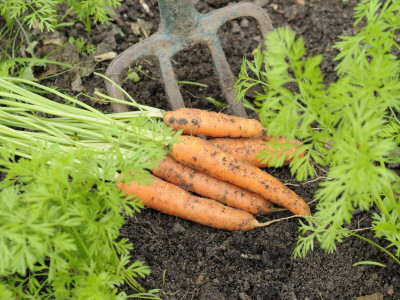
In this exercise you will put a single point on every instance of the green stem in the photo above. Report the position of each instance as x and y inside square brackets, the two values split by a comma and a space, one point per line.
[148, 109]
[144, 73]
[35, 99]
[20, 144]
[13, 132]
[27, 121]
[126, 116]
[79, 238]
[36, 60]
[39, 103]
[131, 281]
[40, 288]
[376, 245]
[379, 203]
[388, 192]
[193, 83]
[48, 110]
[118, 87]
[17, 153]
[66, 14]
[24, 32]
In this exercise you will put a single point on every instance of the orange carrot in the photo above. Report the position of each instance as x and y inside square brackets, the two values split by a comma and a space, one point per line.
[205, 157]
[210, 187]
[201, 122]
[171, 199]
[248, 149]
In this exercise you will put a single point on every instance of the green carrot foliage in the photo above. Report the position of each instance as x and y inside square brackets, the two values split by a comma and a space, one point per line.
[61, 211]
[60, 222]
[349, 126]
[42, 14]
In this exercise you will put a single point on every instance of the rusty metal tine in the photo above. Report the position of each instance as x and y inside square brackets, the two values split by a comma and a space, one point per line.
[122, 62]
[178, 17]
[241, 10]
[225, 76]
[181, 27]
[171, 87]
[221, 66]
[156, 46]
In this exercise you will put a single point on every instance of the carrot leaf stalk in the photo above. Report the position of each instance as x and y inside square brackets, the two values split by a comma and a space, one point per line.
[349, 125]
[28, 119]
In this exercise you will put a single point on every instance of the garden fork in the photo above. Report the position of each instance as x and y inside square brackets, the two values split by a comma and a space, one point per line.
[181, 27]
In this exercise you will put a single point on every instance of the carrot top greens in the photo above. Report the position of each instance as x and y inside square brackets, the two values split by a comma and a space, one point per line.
[61, 210]
[42, 14]
[349, 126]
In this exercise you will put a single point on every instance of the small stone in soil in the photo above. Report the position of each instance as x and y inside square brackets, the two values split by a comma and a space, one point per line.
[235, 27]
[244, 23]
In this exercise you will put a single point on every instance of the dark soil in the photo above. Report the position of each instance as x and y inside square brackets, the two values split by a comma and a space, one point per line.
[191, 261]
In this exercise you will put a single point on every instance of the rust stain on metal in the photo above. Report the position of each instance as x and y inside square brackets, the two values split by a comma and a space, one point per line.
[181, 27]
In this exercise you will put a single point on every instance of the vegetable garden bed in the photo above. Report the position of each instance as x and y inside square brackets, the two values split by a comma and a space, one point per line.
[192, 261]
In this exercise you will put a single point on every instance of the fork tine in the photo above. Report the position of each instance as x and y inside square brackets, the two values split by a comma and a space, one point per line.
[239, 10]
[171, 87]
[180, 28]
[225, 76]
[122, 62]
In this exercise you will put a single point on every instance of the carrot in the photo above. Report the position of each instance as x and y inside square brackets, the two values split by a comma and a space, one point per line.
[210, 187]
[205, 157]
[249, 148]
[211, 124]
[171, 199]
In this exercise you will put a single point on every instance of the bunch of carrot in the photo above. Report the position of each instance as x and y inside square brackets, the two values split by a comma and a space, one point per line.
[224, 170]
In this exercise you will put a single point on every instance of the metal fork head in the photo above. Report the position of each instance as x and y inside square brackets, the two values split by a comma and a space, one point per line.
[181, 27]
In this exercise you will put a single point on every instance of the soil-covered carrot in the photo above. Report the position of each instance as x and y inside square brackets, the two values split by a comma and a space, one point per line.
[205, 157]
[249, 148]
[211, 124]
[171, 199]
[210, 187]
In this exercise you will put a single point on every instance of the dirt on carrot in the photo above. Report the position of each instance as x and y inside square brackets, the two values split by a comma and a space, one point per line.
[171, 199]
[249, 149]
[205, 157]
[211, 124]
[210, 187]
